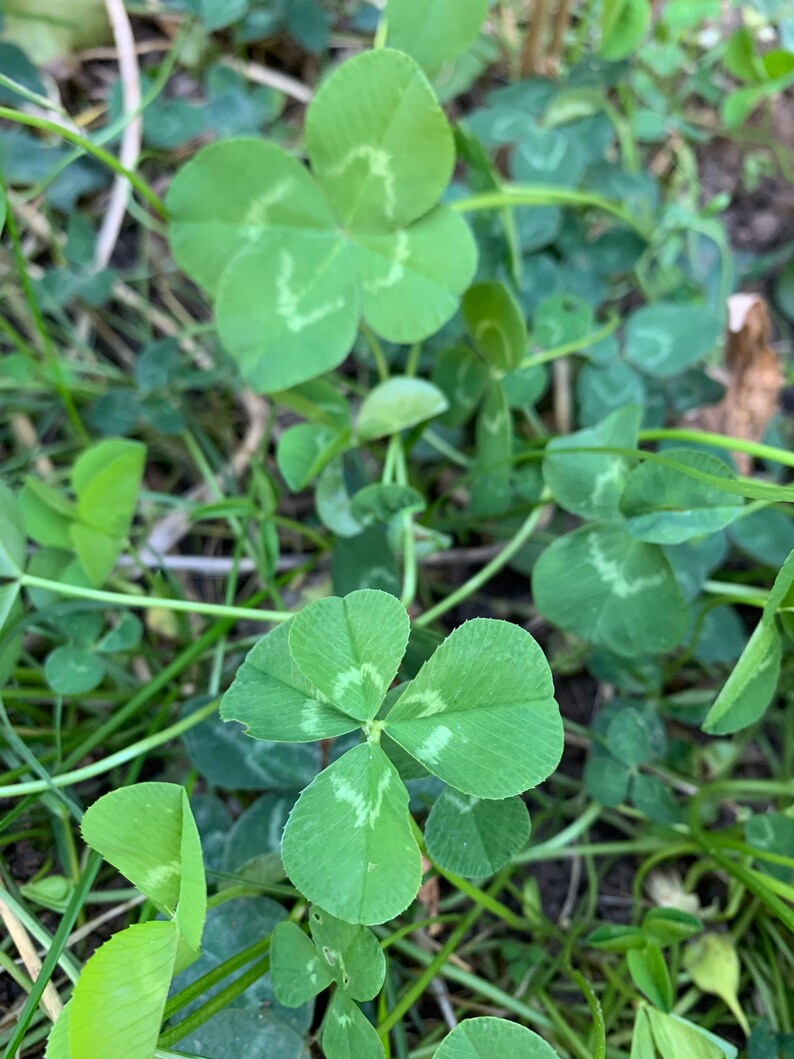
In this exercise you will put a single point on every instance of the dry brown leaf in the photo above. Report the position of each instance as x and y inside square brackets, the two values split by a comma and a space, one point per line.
[429, 896]
[752, 377]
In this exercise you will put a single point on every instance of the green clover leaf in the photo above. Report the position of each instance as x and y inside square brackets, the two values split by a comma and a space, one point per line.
[295, 259]
[480, 715]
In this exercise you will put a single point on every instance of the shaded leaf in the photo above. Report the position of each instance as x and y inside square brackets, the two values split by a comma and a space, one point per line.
[474, 838]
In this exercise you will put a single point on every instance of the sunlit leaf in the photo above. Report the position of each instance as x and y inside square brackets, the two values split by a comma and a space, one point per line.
[434, 32]
[348, 844]
[148, 833]
[121, 993]
[397, 404]
[350, 648]
[275, 701]
[481, 713]
[475, 1038]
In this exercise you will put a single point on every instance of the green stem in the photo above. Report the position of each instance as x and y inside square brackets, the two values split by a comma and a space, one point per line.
[414, 992]
[486, 573]
[720, 441]
[477, 985]
[121, 757]
[215, 1004]
[35, 122]
[121, 599]
[611, 325]
[532, 195]
[217, 974]
[563, 838]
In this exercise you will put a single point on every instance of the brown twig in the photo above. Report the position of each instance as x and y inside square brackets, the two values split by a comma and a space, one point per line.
[50, 1001]
[531, 58]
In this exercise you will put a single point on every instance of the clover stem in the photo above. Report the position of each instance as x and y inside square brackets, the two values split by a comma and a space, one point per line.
[408, 540]
[376, 349]
[476, 582]
[122, 599]
[539, 195]
[121, 757]
[35, 122]
[720, 441]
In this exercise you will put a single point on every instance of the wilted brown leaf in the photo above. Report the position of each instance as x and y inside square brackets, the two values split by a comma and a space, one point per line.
[752, 377]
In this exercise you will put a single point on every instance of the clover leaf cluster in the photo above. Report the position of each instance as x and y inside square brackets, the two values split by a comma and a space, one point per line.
[294, 259]
[480, 715]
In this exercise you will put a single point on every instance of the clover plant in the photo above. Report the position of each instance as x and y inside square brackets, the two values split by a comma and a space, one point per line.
[480, 715]
[295, 259]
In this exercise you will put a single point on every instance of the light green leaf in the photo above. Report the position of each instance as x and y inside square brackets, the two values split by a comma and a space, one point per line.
[377, 503]
[230, 196]
[398, 404]
[491, 487]
[665, 506]
[412, 278]
[305, 449]
[73, 670]
[475, 838]
[590, 484]
[275, 702]
[751, 686]
[48, 514]
[58, 1040]
[296, 969]
[476, 1038]
[13, 537]
[106, 479]
[351, 954]
[148, 833]
[347, 1033]
[623, 26]
[674, 1037]
[642, 1038]
[385, 161]
[288, 306]
[665, 338]
[481, 713]
[781, 589]
[348, 844]
[434, 32]
[714, 967]
[649, 973]
[624, 596]
[9, 593]
[121, 993]
[496, 324]
[350, 648]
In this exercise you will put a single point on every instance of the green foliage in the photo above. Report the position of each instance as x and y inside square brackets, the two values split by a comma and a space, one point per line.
[360, 236]
[473, 1036]
[436, 33]
[147, 832]
[105, 479]
[461, 718]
